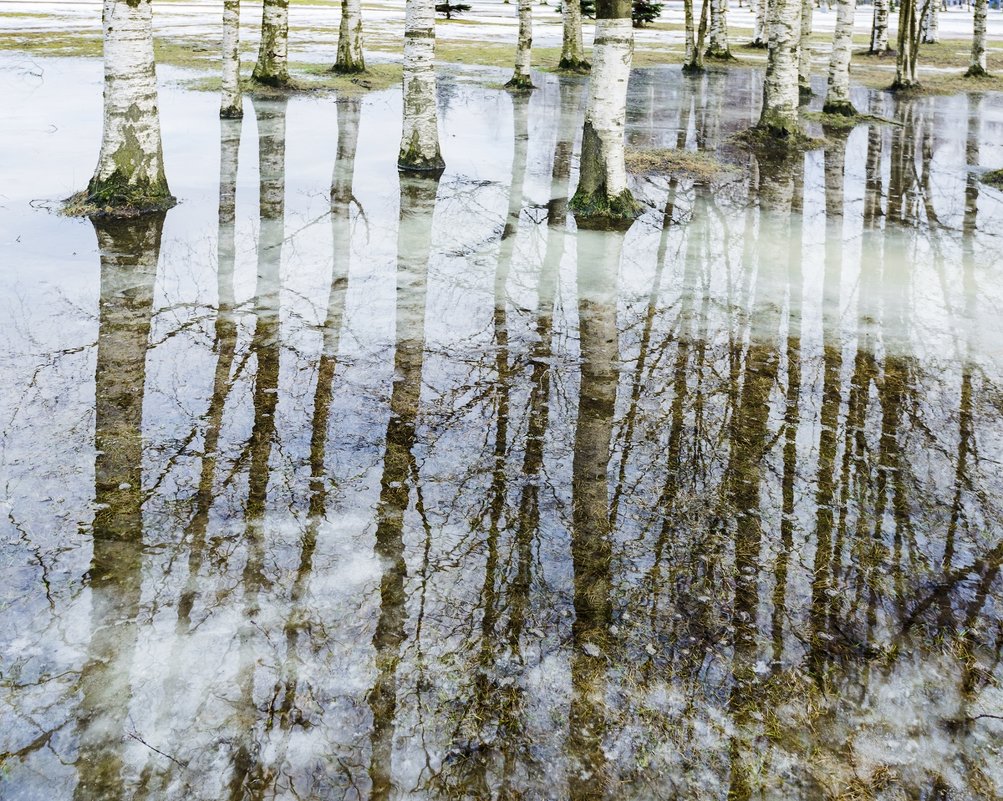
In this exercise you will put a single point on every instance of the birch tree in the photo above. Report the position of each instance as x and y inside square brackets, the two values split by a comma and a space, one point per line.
[272, 68]
[837, 98]
[602, 196]
[572, 46]
[779, 117]
[350, 58]
[717, 44]
[231, 105]
[521, 79]
[908, 45]
[419, 150]
[979, 66]
[931, 22]
[879, 28]
[804, 55]
[130, 169]
[759, 32]
[693, 58]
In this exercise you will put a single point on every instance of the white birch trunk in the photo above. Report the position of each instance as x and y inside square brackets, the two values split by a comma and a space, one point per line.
[602, 193]
[905, 64]
[521, 79]
[231, 104]
[759, 23]
[879, 28]
[837, 98]
[979, 66]
[693, 61]
[273, 59]
[931, 22]
[572, 45]
[804, 53]
[779, 117]
[350, 58]
[130, 168]
[419, 148]
[717, 44]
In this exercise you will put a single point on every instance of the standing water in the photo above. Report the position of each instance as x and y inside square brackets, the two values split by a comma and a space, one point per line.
[329, 484]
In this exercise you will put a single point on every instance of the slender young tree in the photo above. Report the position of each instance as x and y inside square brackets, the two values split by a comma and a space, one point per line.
[130, 170]
[572, 46]
[879, 28]
[779, 117]
[602, 196]
[759, 32]
[908, 46]
[804, 54]
[931, 22]
[521, 79]
[419, 150]
[693, 57]
[231, 104]
[717, 45]
[350, 58]
[272, 68]
[979, 67]
[837, 98]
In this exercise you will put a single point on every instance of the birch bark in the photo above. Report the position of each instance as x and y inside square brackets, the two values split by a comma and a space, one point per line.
[231, 105]
[931, 22]
[717, 45]
[804, 54]
[273, 62]
[572, 46]
[693, 61]
[905, 65]
[879, 28]
[350, 58]
[419, 150]
[130, 169]
[979, 66]
[779, 117]
[837, 98]
[759, 33]
[521, 79]
[602, 197]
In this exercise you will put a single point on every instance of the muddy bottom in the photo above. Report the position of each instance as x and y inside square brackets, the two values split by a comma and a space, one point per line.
[330, 484]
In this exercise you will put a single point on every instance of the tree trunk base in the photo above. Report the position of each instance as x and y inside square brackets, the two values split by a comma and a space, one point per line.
[692, 68]
[904, 86]
[977, 71]
[520, 83]
[758, 44]
[843, 108]
[349, 67]
[578, 65]
[116, 197]
[719, 54]
[278, 80]
[598, 211]
[805, 93]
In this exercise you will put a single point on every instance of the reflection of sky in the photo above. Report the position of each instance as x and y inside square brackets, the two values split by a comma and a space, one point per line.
[904, 290]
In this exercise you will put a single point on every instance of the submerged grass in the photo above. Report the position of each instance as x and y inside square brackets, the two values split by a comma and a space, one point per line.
[697, 165]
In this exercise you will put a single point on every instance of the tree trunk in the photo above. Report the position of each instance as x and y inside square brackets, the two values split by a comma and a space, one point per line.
[979, 67]
[759, 32]
[879, 28]
[602, 196]
[837, 98]
[273, 63]
[804, 55]
[350, 58]
[572, 46]
[419, 149]
[693, 61]
[931, 22]
[130, 170]
[779, 117]
[231, 106]
[717, 47]
[524, 48]
[905, 64]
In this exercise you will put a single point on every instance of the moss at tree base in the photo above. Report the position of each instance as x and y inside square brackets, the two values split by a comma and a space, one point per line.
[776, 139]
[842, 108]
[598, 211]
[994, 179]
[976, 71]
[580, 66]
[349, 68]
[117, 197]
[276, 80]
[522, 83]
[693, 68]
[719, 54]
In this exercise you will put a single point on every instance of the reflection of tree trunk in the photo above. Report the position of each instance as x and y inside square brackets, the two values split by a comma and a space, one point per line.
[591, 545]
[129, 253]
[832, 400]
[248, 774]
[749, 443]
[399, 468]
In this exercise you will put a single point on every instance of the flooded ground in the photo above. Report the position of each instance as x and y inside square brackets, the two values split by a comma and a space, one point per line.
[332, 485]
